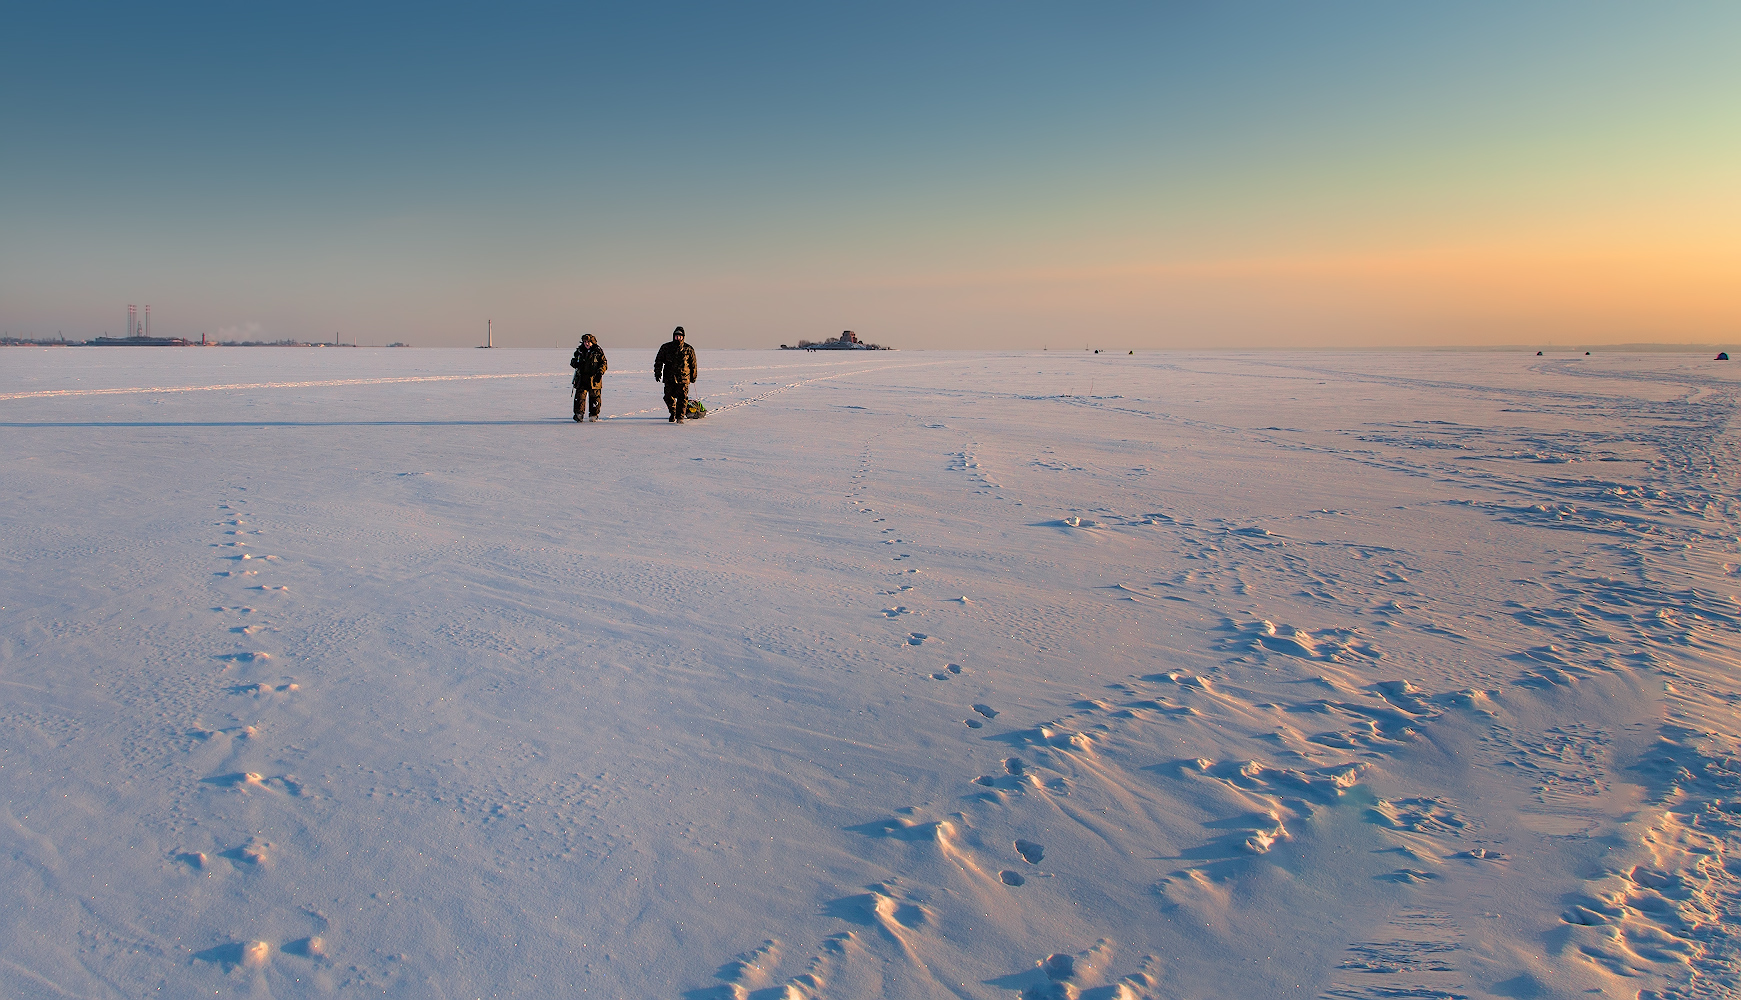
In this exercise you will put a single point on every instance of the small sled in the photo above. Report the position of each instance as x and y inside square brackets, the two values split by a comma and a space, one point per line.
[695, 410]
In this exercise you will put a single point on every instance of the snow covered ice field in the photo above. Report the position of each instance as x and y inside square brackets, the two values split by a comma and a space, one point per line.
[910, 674]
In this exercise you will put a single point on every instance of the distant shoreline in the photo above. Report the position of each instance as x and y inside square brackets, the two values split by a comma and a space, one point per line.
[162, 342]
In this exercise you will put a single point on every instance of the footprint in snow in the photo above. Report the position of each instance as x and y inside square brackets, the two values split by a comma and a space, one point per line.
[263, 690]
[916, 638]
[244, 954]
[239, 732]
[1062, 975]
[1008, 877]
[254, 852]
[896, 612]
[1031, 852]
[308, 947]
[985, 710]
[1419, 815]
[947, 672]
[238, 780]
[750, 969]
[1407, 876]
[1481, 854]
[250, 781]
[884, 905]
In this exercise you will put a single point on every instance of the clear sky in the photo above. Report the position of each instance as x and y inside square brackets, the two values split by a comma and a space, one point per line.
[985, 174]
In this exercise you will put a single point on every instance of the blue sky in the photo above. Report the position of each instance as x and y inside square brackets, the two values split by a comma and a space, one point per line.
[966, 175]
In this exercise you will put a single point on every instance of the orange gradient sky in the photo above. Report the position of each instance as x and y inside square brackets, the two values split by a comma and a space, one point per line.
[982, 175]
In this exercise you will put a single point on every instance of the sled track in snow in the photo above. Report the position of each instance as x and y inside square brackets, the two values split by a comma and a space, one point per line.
[820, 378]
[323, 383]
[392, 380]
[721, 408]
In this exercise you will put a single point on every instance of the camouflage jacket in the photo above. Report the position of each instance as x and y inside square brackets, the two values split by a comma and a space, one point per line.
[589, 364]
[675, 363]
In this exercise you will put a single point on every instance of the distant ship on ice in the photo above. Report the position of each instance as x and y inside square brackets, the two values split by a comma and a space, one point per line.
[139, 334]
[847, 341]
[142, 341]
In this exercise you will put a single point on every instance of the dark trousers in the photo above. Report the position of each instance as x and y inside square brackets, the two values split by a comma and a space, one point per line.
[677, 398]
[587, 398]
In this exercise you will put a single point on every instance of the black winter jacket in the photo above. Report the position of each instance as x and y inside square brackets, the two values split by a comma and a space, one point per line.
[675, 363]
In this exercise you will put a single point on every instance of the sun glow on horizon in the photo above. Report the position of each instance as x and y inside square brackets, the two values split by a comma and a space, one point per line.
[1008, 176]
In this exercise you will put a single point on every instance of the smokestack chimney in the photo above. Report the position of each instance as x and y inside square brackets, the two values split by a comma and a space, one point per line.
[132, 320]
[148, 321]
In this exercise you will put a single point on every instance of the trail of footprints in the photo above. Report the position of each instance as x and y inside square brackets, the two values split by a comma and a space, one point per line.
[1356, 723]
[252, 696]
[1670, 918]
[886, 913]
[1677, 911]
[1675, 917]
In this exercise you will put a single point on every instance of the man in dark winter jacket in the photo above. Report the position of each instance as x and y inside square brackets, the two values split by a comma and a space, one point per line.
[675, 364]
[589, 366]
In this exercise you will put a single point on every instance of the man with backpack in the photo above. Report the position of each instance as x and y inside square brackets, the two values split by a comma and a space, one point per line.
[675, 364]
[589, 366]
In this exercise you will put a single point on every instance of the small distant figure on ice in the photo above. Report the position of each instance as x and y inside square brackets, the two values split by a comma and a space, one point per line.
[589, 366]
[675, 365]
